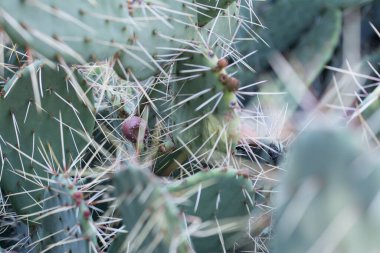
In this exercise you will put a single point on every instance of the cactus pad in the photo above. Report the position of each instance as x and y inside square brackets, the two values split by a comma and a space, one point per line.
[222, 200]
[151, 218]
[329, 196]
[66, 220]
[205, 107]
[37, 140]
[136, 33]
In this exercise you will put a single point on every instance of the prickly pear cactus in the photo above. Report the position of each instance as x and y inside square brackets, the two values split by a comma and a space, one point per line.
[205, 105]
[153, 222]
[209, 197]
[40, 137]
[171, 53]
[138, 34]
[66, 219]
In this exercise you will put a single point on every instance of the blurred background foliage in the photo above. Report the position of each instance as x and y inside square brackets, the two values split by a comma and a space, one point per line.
[302, 54]
[312, 72]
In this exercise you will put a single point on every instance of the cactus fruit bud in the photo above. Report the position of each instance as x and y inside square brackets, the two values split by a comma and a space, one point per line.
[131, 126]
[243, 173]
[232, 84]
[223, 78]
[222, 63]
[86, 214]
[77, 196]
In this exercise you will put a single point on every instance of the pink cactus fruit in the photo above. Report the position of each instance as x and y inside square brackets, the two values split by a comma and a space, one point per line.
[130, 128]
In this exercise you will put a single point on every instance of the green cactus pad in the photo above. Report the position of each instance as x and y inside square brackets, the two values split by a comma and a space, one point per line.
[31, 136]
[222, 200]
[150, 216]
[221, 32]
[68, 29]
[284, 21]
[66, 220]
[329, 195]
[197, 110]
[322, 38]
[137, 33]
[205, 105]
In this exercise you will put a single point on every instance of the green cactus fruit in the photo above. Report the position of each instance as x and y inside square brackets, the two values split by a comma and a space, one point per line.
[66, 223]
[37, 140]
[205, 106]
[150, 216]
[329, 195]
[222, 200]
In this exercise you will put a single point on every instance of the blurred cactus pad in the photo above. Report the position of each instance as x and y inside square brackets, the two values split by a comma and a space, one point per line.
[189, 126]
[330, 202]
